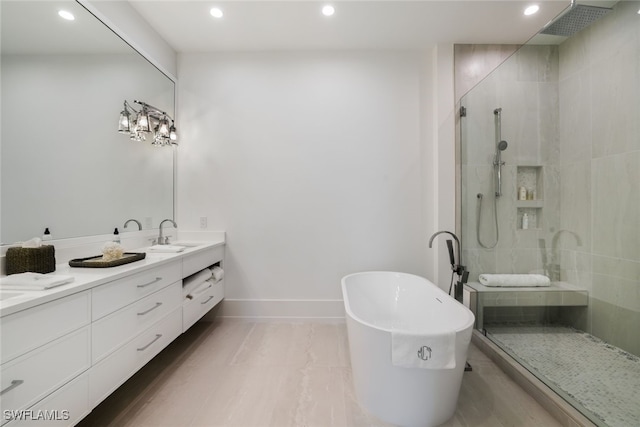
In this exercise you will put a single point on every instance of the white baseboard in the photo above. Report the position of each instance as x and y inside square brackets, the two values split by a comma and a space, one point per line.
[281, 309]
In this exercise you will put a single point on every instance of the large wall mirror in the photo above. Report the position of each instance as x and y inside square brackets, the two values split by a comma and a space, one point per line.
[64, 166]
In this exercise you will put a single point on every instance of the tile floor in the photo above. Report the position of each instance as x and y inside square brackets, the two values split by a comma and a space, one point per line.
[604, 380]
[237, 373]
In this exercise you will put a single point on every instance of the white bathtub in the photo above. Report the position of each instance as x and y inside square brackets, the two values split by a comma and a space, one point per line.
[379, 303]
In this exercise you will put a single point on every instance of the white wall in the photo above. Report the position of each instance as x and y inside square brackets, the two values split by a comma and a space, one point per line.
[315, 164]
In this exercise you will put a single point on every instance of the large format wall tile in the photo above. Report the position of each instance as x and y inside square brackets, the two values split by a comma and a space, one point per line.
[616, 206]
[575, 117]
[575, 205]
[615, 83]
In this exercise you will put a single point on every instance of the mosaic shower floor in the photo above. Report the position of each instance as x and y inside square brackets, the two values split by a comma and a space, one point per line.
[591, 374]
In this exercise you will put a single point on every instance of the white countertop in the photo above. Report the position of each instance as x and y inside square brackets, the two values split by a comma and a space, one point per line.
[87, 278]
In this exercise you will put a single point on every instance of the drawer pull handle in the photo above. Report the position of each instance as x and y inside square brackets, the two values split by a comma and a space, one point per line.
[208, 299]
[158, 304]
[157, 279]
[14, 384]
[158, 336]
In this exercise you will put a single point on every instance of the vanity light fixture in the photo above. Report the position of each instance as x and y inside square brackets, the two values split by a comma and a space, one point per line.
[138, 123]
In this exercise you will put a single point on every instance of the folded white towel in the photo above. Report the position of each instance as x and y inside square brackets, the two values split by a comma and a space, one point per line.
[218, 273]
[33, 281]
[36, 242]
[166, 248]
[202, 287]
[514, 280]
[432, 351]
[195, 280]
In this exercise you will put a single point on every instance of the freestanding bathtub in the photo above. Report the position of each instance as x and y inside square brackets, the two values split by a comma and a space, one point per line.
[379, 304]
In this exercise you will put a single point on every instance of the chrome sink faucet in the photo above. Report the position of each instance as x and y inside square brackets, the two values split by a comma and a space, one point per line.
[161, 239]
[133, 220]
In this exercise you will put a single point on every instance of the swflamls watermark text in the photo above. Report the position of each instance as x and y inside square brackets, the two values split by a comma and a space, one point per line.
[36, 415]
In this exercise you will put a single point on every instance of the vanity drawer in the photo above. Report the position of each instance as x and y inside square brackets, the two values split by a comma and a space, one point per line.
[193, 263]
[31, 328]
[115, 369]
[28, 379]
[202, 302]
[117, 328]
[112, 296]
[65, 407]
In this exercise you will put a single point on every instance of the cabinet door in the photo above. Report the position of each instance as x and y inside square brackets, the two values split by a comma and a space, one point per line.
[116, 329]
[112, 371]
[65, 407]
[33, 376]
[203, 301]
[31, 328]
[107, 298]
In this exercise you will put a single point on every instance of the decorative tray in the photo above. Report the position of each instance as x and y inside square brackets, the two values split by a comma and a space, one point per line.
[97, 262]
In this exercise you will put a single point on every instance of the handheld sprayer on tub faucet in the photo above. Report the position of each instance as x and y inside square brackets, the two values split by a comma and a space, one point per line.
[456, 268]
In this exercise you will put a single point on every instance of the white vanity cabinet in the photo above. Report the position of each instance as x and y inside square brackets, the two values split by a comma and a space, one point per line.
[204, 297]
[134, 318]
[44, 348]
[62, 357]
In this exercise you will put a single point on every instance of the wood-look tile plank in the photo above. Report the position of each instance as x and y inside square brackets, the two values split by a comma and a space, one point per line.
[245, 374]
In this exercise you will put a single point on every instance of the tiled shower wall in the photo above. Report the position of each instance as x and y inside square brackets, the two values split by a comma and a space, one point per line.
[525, 86]
[574, 110]
[599, 159]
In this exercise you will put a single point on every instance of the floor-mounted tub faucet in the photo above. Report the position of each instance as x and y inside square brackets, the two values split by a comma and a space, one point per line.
[457, 267]
[161, 239]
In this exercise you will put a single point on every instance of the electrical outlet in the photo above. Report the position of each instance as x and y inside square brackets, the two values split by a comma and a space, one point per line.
[148, 222]
[203, 222]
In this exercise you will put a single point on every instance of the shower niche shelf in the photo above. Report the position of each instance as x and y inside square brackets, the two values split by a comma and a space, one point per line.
[535, 218]
[531, 178]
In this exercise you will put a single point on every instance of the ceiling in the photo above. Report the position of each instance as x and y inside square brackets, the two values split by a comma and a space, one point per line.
[360, 24]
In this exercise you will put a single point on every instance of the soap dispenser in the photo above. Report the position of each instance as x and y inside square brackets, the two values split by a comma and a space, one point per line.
[525, 221]
[46, 235]
[116, 235]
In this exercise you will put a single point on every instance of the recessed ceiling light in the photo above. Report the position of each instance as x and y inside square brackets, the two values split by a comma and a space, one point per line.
[216, 12]
[66, 15]
[328, 10]
[534, 8]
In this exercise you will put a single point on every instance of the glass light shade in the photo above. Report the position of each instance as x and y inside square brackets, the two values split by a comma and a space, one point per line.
[163, 127]
[173, 136]
[143, 121]
[123, 123]
[134, 135]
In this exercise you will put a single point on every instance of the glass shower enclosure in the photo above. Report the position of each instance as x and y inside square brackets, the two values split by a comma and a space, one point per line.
[549, 162]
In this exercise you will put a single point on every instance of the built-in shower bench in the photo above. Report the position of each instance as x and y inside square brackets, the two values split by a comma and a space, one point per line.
[478, 297]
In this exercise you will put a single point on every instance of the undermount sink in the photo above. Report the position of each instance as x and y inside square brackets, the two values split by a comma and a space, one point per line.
[187, 244]
[9, 294]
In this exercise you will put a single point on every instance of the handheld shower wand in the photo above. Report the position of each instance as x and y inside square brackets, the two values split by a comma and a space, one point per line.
[501, 145]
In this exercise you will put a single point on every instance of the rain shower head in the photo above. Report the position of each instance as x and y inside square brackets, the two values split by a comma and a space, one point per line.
[578, 17]
[502, 145]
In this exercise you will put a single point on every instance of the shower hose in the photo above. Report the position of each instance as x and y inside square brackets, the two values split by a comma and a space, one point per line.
[478, 216]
